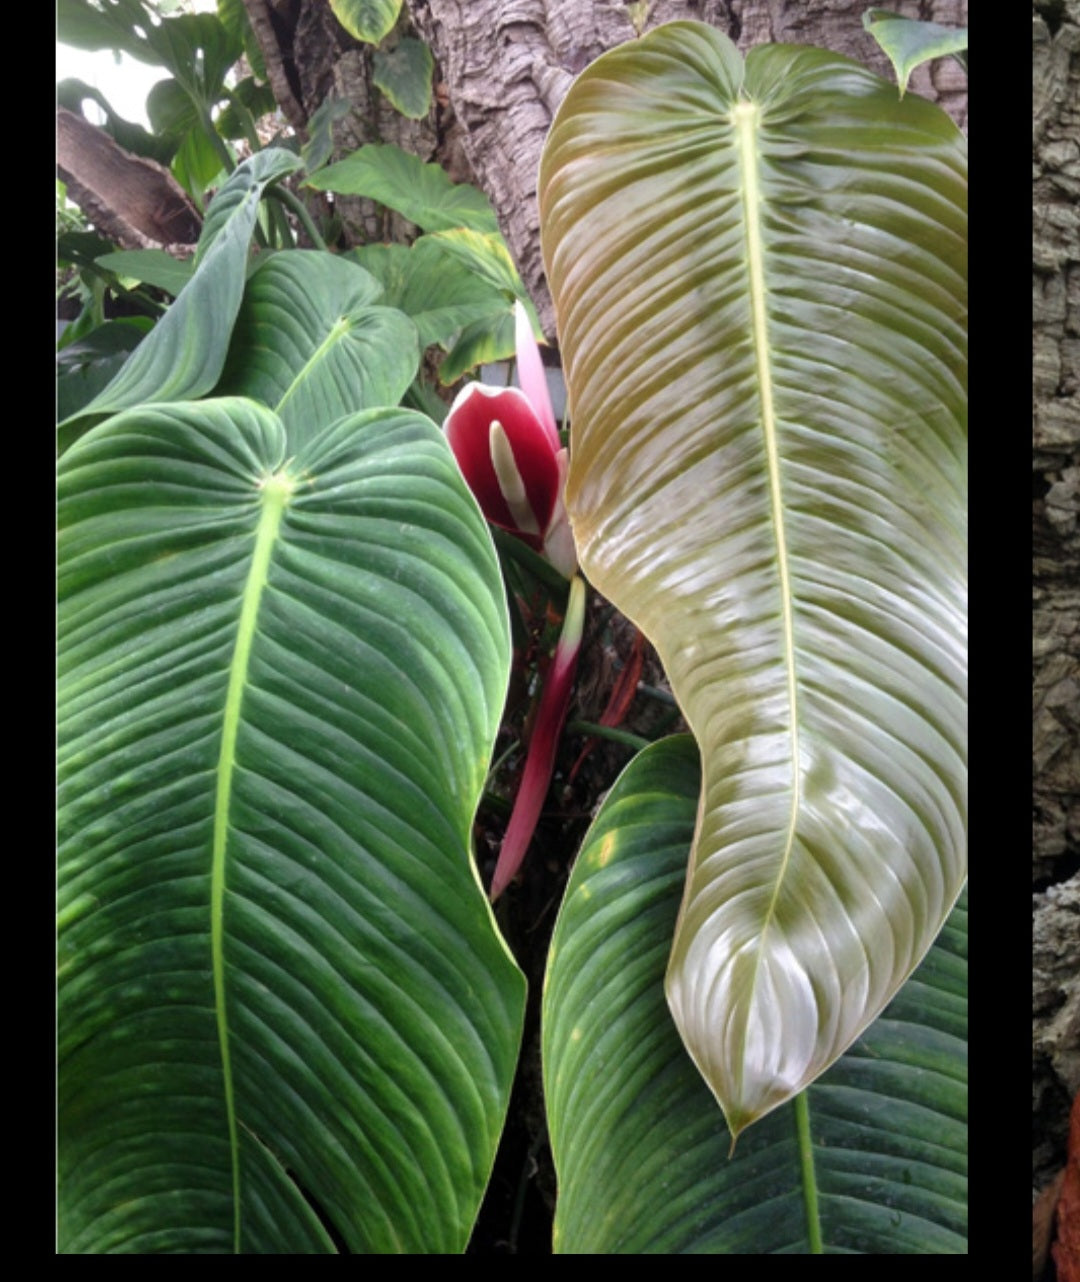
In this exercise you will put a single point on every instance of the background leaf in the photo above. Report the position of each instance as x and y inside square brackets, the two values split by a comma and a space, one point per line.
[435, 289]
[310, 344]
[367, 20]
[404, 75]
[760, 281]
[908, 44]
[876, 1164]
[285, 1015]
[151, 266]
[421, 193]
[185, 353]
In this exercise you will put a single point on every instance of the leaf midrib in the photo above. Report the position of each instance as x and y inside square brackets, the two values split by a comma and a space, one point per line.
[746, 116]
[276, 490]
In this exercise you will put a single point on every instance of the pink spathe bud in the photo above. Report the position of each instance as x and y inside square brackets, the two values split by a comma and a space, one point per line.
[507, 446]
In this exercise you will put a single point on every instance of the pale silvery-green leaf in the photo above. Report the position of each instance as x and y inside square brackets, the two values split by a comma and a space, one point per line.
[759, 275]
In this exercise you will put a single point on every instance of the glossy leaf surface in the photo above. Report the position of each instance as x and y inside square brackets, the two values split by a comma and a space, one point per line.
[760, 282]
[871, 1159]
[312, 343]
[285, 1015]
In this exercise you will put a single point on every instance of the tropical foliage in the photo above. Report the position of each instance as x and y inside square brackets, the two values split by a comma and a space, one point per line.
[288, 1019]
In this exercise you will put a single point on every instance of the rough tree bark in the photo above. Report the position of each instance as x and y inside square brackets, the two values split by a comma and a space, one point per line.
[1056, 576]
[508, 63]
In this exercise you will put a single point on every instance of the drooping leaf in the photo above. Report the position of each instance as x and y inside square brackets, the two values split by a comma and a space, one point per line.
[367, 20]
[908, 43]
[421, 193]
[871, 1159]
[151, 266]
[184, 355]
[404, 75]
[759, 275]
[285, 1015]
[311, 344]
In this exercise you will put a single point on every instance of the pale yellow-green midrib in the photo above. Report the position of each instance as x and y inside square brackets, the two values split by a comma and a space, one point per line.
[747, 116]
[275, 490]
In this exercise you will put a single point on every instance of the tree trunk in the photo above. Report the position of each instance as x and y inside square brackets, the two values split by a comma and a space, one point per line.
[1056, 577]
[508, 63]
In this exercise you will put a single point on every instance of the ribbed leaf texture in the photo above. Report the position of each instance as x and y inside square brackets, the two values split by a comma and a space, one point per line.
[872, 1158]
[287, 1023]
[311, 343]
[759, 274]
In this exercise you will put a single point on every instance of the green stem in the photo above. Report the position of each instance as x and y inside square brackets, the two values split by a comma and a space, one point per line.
[531, 561]
[809, 1179]
[297, 207]
[216, 140]
[608, 732]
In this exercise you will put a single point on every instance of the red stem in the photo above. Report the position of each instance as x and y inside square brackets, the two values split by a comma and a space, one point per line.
[540, 762]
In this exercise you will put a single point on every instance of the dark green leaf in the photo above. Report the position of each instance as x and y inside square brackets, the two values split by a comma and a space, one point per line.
[86, 366]
[283, 1002]
[404, 75]
[367, 20]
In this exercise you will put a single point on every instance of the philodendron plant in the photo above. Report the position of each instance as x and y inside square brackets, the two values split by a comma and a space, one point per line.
[288, 1021]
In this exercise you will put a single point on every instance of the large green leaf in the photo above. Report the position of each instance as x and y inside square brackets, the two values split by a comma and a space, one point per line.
[310, 344]
[760, 282]
[287, 1022]
[184, 355]
[870, 1159]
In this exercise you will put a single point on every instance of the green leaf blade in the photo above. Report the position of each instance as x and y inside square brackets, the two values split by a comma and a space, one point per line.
[907, 43]
[367, 20]
[184, 355]
[311, 343]
[264, 842]
[761, 298]
[642, 1152]
[422, 193]
[404, 75]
